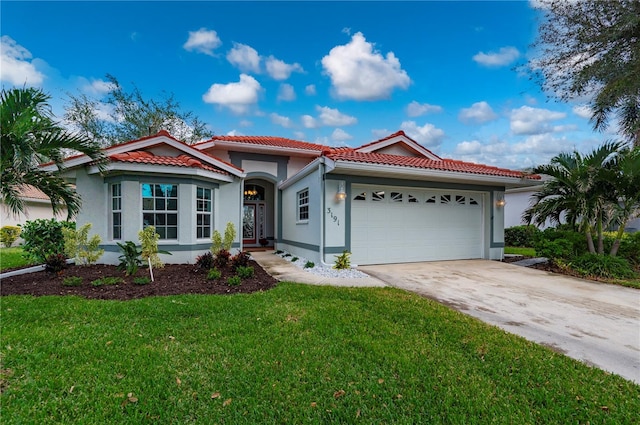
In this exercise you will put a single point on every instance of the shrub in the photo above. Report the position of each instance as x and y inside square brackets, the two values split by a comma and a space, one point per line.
[72, 281]
[149, 243]
[559, 249]
[286, 255]
[309, 265]
[241, 259]
[229, 236]
[294, 259]
[9, 234]
[130, 259]
[234, 281]
[216, 241]
[603, 266]
[521, 236]
[205, 261]
[222, 259]
[78, 245]
[245, 272]
[629, 246]
[278, 252]
[214, 274]
[55, 263]
[109, 280]
[560, 244]
[141, 280]
[342, 261]
[43, 238]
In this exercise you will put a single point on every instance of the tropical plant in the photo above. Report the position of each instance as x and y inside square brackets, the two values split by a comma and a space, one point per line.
[29, 136]
[55, 263]
[214, 274]
[229, 236]
[9, 234]
[342, 261]
[130, 259]
[579, 191]
[222, 258]
[205, 261]
[216, 241]
[43, 238]
[149, 242]
[132, 116]
[590, 49]
[72, 281]
[241, 259]
[234, 281]
[245, 272]
[78, 245]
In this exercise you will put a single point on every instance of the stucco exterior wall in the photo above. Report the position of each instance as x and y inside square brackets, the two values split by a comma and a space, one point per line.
[34, 210]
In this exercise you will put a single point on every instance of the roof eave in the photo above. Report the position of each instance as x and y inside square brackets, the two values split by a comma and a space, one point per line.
[138, 168]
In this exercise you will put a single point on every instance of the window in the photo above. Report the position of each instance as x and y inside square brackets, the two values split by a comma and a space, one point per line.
[377, 196]
[460, 200]
[412, 199]
[203, 213]
[433, 199]
[362, 196]
[472, 201]
[303, 205]
[116, 211]
[160, 209]
[396, 197]
[445, 199]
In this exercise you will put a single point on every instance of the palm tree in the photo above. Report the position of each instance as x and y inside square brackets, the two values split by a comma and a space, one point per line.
[29, 136]
[581, 190]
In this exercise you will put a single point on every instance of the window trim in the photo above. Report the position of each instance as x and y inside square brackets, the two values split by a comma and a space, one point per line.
[302, 208]
[115, 211]
[204, 212]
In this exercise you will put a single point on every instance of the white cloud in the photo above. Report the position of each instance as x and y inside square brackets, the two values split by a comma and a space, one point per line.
[334, 118]
[97, 87]
[528, 120]
[473, 147]
[203, 41]
[310, 90]
[280, 70]
[234, 133]
[583, 111]
[238, 97]
[299, 135]
[339, 135]
[380, 132]
[15, 67]
[428, 135]
[504, 56]
[244, 57]
[359, 72]
[478, 113]
[245, 123]
[309, 122]
[281, 120]
[415, 109]
[541, 144]
[286, 93]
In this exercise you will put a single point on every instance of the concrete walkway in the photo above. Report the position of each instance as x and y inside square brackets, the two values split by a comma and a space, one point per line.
[284, 271]
[598, 324]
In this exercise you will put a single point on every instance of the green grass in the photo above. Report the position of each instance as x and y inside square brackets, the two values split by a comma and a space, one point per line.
[12, 257]
[295, 354]
[520, 250]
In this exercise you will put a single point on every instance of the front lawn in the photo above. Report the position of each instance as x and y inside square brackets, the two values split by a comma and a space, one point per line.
[520, 250]
[294, 354]
[12, 257]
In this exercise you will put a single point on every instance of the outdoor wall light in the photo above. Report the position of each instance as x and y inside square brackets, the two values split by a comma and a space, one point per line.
[500, 202]
[341, 195]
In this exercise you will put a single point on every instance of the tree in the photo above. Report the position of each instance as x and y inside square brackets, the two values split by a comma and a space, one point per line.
[122, 116]
[591, 49]
[590, 192]
[29, 137]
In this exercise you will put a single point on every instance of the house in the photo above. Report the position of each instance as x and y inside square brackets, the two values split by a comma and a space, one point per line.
[37, 206]
[388, 201]
[518, 199]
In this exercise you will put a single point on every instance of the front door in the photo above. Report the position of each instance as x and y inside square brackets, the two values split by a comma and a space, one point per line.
[249, 224]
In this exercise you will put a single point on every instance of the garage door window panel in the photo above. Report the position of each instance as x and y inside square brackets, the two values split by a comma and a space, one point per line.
[377, 196]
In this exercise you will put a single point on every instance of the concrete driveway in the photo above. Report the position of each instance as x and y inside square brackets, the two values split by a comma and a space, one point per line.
[598, 324]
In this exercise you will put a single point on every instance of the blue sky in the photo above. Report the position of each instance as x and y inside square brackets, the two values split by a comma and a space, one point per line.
[337, 73]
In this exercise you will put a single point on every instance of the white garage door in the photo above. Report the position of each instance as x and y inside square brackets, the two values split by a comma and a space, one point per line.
[400, 224]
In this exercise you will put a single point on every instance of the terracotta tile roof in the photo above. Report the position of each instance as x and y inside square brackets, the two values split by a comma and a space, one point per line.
[278, 142]
[143, 157]
[417, 162]
[391, 136]
[31, 192]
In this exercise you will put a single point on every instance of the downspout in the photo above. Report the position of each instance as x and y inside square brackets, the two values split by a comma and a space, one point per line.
[321, 170]
[241, 215]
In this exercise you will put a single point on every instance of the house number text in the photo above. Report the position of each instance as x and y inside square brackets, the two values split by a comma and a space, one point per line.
[333, 217]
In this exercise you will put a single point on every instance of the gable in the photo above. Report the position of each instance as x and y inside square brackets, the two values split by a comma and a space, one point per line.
[398, 144]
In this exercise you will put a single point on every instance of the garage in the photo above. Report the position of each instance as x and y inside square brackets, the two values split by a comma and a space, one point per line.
[402, 224]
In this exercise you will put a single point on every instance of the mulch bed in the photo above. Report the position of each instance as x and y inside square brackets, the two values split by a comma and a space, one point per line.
[173, 279]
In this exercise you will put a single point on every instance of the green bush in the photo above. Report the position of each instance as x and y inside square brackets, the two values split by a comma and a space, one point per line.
[205, 261]
[72, 281]
[55, 263]
[629, 246]
[342, 261]
[222, 258]
[9, 234]
[234, 281]
[130, 259]
[109, 280]
[245, 272]
[561, 244]
[309, 265]
[294, 259]
[43, 238]
[214, 274]
[141, 280]
[604, 266]
[241, 259]
[521, 236]
[78, 245]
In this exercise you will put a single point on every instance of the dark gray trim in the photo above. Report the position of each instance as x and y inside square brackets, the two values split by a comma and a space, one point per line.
[334, 249]
[303, 245]
[236, 159]
[140, 178]
[425, 184]
[497, 245]
[172, 247]
[279, 201]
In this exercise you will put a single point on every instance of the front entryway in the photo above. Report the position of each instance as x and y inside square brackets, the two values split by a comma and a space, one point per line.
[257, 216]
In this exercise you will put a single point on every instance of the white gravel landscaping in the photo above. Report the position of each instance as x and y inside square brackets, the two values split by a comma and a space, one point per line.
[321, 270]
